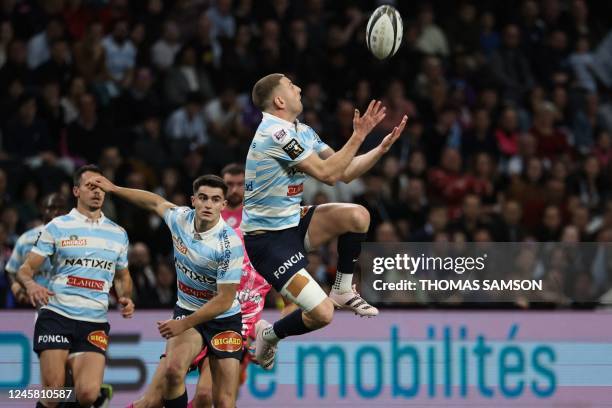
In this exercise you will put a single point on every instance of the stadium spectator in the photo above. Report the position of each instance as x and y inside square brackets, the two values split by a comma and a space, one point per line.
[139, 100]
[120, 53]
[510, 66]
[90, 55]
[437, 225]
[165, 49]
[143, 276]
[39, 46]
[6, 36]
[511, 110]
[223, 22]
[86, 136]
[581, 61]
[186, 77]
[165, 290]
[432, 40]
[186, 128]
[551, 141]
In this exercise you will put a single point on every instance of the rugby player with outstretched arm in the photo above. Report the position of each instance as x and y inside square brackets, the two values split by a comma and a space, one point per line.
[88, 253]
[278, 232]
[208, 258]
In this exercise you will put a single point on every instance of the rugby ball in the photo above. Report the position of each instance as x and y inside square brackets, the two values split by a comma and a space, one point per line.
[384, 32]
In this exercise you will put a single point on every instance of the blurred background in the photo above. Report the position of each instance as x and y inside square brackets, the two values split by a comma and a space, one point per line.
[509, 136]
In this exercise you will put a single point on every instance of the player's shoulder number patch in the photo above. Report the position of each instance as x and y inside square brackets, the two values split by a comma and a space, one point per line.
[293, 149]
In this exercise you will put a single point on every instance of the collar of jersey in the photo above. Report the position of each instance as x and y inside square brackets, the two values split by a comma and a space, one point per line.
[83, 218]
[207, 233]
[281, 120]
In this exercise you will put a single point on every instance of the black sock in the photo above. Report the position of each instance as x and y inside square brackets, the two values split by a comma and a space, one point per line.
[349, 248]
[99, 401]
[179, 402]
[291, 325]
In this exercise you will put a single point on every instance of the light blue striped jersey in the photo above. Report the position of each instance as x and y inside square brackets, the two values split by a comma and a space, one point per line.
[273, 187]
[203, 259]
[23, 246]
[84, 255]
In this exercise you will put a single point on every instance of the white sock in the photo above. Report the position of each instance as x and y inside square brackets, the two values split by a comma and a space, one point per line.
[270, 336]
[343, 283]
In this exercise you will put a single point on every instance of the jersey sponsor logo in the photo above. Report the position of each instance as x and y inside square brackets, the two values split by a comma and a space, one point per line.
[228, 341]
[288, 264]
[179, 244]
[292, 171]
[293, 149]
[53, 338]
[99, 339]
[90, 263]
[73, 241]
[279, 136]
[227, 254]
[232, 221]
[200, 294]
[295, 189]
[248, 186]
[193, 275]
[248, 295]
[79, 282]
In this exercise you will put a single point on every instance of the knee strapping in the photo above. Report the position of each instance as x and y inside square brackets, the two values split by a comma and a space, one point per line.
[304, 291]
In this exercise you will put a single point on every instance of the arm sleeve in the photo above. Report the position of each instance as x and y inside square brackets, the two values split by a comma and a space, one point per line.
[122, 259]
[318, 144]
[17, 257]
[172, 214]
[45, 244]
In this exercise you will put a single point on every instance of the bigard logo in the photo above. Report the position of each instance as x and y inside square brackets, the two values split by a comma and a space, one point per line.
[229, 341]
[99, 339]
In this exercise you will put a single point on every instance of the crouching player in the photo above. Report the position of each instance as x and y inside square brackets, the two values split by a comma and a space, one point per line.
[88, 253]
[208, 258]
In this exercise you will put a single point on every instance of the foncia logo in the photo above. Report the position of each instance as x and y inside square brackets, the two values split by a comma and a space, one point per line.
[450, 364]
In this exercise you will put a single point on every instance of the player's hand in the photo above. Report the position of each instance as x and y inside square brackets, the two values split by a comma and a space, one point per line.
[38, 295]
[105, 184]
[19, 293]
[127, 307]
[171, 328]
[388, 141]
[363, 125]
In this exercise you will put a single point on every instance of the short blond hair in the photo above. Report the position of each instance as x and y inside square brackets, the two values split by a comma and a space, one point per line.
[262, 91]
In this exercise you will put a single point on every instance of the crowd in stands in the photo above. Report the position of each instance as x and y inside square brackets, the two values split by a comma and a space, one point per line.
[510, 115]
